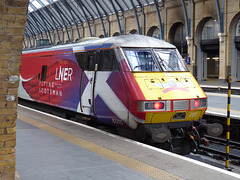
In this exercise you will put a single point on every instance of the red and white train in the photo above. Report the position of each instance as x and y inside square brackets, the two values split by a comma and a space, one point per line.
[133, 82]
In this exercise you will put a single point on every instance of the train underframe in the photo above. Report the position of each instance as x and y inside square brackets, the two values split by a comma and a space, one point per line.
[178, 137]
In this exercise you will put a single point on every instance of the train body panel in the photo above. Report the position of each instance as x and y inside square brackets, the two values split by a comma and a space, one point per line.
[166, 117]
[110, 99]
[168, 85]
[51, 79]
[132, 81]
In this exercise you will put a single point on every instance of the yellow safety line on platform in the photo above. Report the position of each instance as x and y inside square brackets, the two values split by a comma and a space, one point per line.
[122, 159]
[222, 95]
[223, 109]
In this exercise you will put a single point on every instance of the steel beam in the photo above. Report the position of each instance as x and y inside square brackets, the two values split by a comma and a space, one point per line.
[45, 23]
[41, 3]
[30, 42]
[136, 16]
[92, 17]
[123, 19]
[61, 16]
[25, 46]
[220, 14]
[33, 35]
[125, 4]
[27, 30]
[105, 13]
[32, 27]
[101, 17]
[44, 26]
[35, 19]
[161, 28]
[52, 17]
[80, 5]
[33, 16]
[187, 22]
[117, 16]
[77, 13]
[30, 30]
[74, 20]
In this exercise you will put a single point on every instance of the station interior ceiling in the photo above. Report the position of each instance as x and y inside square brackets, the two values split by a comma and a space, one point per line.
[45, 16]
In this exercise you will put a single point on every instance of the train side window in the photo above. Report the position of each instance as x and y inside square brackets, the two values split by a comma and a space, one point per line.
[91, 61]
[80, 57]
[109, 60]
[44, 73]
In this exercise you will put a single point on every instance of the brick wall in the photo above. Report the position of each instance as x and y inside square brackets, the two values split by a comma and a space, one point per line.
[13, 15]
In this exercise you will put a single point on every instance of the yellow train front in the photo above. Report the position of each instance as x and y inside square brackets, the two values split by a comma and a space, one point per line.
[174, 104]
[165, 101]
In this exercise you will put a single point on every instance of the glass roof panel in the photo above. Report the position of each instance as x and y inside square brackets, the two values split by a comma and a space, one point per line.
[68, 12]
[45, 2]
[36, 4]
[39, 4]
[30, 9]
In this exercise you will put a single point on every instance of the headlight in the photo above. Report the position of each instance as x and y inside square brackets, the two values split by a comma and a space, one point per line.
[198, 103]
[154, 106]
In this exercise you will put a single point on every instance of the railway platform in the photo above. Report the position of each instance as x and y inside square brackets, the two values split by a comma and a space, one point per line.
[52, 148]
[217, 98]
[220, 87]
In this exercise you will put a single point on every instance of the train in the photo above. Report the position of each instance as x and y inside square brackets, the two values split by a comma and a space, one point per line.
[138, 84]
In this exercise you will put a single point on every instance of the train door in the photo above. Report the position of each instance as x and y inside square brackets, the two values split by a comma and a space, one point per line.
[110, 102]
[87, 94]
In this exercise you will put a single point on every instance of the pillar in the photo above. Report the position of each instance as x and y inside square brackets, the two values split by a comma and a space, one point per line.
[223, 60]
[13, 15]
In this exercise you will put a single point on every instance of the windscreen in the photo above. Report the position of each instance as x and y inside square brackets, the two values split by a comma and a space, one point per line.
[141, 60]
[155, 60]
[170, 60]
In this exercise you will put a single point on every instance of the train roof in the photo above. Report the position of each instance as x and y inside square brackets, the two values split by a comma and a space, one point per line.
[131, 41]
[134, 40]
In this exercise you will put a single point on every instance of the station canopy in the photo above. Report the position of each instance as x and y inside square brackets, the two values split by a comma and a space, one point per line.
[45, 16]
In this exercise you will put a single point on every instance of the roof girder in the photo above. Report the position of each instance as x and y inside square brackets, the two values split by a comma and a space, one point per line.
[64, 13]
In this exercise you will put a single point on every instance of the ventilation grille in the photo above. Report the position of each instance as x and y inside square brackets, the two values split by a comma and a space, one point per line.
[180, 105]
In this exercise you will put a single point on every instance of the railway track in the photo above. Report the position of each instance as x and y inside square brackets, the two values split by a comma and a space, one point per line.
[217, 150]
[221, 141]
[234, 127]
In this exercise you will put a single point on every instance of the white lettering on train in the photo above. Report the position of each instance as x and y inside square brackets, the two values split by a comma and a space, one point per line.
[64, 74]
[53, 92]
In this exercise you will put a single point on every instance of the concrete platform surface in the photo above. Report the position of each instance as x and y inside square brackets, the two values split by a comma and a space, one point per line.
[217, 105]
[51, 148]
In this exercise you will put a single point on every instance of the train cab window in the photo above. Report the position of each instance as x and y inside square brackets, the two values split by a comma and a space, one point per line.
[170, 60]
[44, 73]
[80, 57]
[141, 60]
[108, 62]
